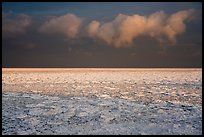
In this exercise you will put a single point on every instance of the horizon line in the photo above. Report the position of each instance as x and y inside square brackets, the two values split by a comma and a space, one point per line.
[96, 68]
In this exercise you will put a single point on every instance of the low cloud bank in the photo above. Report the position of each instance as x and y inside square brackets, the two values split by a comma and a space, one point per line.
[123, 29]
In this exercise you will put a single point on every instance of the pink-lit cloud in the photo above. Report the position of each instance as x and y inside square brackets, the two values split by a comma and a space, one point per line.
[124, 28]
[68, 25]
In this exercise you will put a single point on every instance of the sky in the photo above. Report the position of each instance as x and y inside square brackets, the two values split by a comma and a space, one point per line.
[101, 34]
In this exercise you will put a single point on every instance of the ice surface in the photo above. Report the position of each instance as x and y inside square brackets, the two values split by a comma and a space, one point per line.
[102, 101]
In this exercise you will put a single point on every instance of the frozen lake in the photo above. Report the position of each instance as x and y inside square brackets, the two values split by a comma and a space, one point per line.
[102, 101]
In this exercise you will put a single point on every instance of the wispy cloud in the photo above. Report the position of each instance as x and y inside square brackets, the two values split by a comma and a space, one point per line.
[124, 28]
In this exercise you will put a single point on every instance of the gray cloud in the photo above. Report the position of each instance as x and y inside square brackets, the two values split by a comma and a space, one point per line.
[68, 25]
[123, 29]
[15, 24]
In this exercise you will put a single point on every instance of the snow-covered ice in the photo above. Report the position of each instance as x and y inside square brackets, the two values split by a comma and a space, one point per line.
[102, 101]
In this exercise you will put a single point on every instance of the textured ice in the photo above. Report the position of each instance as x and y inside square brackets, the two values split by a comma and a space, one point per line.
[83, 101]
